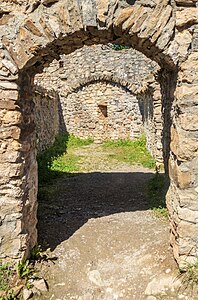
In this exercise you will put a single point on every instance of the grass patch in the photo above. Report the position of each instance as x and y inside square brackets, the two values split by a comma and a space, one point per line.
[132, 152]
[58, 160]
[46, 159]
[156, 191]
[65, 164]
[76, 142]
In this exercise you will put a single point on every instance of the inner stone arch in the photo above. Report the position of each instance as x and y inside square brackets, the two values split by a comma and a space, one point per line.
[113, 97]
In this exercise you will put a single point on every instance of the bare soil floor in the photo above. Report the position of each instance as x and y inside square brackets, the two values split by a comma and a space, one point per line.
[104, 241]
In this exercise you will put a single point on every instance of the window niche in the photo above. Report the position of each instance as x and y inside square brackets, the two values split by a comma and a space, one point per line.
[103, 109]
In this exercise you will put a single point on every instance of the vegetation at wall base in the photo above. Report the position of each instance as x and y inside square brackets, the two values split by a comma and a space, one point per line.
[156, 191]
[6, 272]
[14, 278]
[77, 142]
[189, 274]
[133, 152]
[36, 253]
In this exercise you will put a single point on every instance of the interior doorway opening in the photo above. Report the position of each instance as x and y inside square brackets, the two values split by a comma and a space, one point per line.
[54, 109]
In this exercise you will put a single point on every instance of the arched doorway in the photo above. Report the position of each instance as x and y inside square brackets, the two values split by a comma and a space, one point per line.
[37, 34]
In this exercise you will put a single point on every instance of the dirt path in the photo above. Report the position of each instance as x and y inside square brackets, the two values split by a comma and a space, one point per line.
[108, 243]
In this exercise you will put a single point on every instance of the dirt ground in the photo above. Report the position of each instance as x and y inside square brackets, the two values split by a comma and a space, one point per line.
[103, 240]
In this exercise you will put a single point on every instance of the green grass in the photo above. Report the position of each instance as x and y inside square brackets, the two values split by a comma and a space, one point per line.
[75, 142]
[23, 269]
[68, 162]
[156, 191]
[9, 296]
[65, 164]
[57, 161]
[132, 152]
[46, 159]
[60, 160]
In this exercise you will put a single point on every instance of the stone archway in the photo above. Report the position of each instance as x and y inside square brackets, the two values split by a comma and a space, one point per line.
[130, 93]
[36, 32]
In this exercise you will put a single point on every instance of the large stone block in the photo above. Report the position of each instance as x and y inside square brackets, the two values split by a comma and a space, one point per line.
[11, 170]
[182, 145]
[10, 248]
[188, 215]
[186, 2]
[187, 95]
[10, 94]
[12, 117]
[188, 121]
[187, 16]
[188, 199]
[182, 177]
[188, 230]
[189, 69]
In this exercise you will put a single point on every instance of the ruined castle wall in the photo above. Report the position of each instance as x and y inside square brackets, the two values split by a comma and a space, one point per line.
[103, 110]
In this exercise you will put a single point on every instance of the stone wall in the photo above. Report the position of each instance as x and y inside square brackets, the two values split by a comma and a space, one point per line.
[103, 110]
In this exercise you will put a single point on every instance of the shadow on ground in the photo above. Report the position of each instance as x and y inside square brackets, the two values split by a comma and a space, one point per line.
[70, 201]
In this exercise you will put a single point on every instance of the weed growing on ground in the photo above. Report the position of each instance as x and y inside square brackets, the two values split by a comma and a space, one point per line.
[156, 191]
[36, 253]
[23, 269]
[189, 274]
[10, 296]
[131, 151]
